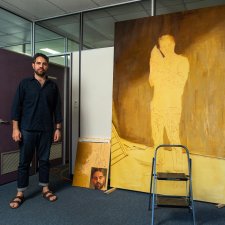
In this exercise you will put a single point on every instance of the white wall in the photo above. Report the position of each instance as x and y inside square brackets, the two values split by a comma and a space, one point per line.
[95, 95]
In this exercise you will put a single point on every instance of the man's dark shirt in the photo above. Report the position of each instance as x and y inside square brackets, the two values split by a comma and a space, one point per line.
[36, 108]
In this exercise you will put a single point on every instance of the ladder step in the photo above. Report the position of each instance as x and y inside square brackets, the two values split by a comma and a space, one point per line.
[172, 201]
[172, 176]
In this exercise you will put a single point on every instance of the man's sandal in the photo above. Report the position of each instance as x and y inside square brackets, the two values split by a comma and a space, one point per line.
[48, 195]
[18, 200]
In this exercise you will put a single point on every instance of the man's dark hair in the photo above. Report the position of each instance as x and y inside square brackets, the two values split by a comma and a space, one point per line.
[94, 169]
[40, 55]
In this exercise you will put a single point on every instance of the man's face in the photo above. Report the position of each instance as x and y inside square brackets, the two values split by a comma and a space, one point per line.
[167, 44]
[40, 66]
[98, 180]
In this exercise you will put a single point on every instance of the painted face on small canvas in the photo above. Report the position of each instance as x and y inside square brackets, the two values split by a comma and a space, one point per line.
[98, 180]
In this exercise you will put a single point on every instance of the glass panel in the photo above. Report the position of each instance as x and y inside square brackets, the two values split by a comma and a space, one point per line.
[64, 28]
[15, 33]
[73, 46]
[99, 24]
[62, 34]
[48, 42]
[58, 60]
[131, 11]
[24, 49]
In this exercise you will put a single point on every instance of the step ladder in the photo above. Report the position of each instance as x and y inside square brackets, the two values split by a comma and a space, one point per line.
[156, 200]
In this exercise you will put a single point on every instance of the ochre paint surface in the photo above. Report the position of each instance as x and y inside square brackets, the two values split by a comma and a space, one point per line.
[169, 88]
[89, 155]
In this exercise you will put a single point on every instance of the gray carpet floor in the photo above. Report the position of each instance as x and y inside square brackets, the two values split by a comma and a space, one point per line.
[81, 206]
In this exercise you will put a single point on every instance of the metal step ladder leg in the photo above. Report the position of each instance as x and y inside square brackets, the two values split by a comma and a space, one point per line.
[170, 200]
[150, 194]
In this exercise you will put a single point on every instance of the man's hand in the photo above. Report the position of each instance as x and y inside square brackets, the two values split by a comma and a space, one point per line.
[57, 135]
[16, 135]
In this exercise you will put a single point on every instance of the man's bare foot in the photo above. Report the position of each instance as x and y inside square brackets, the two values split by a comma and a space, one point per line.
[17, 201]
[48, 195]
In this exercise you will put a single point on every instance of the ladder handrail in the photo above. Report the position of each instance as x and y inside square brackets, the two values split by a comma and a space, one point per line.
[176, 146]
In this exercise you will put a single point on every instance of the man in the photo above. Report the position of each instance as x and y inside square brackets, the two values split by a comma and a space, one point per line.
[98, 178]
[168, 76]
[36, 111]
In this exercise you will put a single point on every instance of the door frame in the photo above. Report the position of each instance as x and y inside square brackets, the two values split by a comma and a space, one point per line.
[67, 112]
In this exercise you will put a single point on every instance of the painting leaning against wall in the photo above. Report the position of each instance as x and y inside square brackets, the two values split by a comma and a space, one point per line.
[168, 88]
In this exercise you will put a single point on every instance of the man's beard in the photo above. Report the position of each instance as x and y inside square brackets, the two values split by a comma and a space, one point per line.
[99, 186]
[40, 74]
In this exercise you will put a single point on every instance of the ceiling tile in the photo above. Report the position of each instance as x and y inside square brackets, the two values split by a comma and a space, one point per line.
[173, 2]
[33, 10]
[73, 6]
[110, 2]
[125, 9]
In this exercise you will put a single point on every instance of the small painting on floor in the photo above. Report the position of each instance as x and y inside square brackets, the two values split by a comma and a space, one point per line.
[92, 165]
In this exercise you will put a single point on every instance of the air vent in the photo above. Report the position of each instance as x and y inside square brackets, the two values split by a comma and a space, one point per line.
[9, 162]
[56, 151]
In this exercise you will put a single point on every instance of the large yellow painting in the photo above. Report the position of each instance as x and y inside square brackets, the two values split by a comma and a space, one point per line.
[169, 88]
